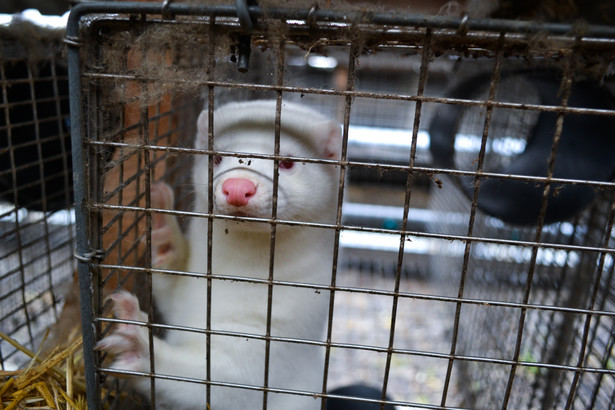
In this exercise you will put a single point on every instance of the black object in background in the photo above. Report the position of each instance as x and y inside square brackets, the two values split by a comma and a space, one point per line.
[35, 150]
[586, 151]
[356, 390]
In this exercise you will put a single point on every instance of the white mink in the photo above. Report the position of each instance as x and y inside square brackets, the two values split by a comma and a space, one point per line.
[242, 187]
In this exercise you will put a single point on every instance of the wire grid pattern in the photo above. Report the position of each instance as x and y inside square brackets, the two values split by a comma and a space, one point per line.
[456, 245]
[553, 328]
[36, 226]
[566, 278]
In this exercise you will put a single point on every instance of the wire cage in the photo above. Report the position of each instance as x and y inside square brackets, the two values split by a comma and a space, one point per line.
[537, 304]
[36, 225]
[518, 308]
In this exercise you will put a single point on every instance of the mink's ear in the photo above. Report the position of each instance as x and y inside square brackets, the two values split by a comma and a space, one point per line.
[331, 141]
[202, 131]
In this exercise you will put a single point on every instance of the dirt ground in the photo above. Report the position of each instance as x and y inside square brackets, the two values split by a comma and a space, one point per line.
[423, 326]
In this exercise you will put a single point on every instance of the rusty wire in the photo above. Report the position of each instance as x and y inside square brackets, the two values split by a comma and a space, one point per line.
[425, 37]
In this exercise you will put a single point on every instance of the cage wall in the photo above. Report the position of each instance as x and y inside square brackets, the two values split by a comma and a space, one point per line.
[568, 275]
[524, 307]
[36, 224]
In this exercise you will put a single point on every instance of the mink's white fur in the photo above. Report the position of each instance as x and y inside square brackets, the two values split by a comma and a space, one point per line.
[306, 192]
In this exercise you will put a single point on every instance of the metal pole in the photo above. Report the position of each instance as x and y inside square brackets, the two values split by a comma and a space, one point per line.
[83, 248]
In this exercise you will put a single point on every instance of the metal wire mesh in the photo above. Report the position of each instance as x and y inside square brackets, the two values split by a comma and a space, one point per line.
[528, 309]
[36, 226]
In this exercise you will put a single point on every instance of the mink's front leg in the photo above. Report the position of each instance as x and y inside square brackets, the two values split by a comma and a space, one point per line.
[169, 246]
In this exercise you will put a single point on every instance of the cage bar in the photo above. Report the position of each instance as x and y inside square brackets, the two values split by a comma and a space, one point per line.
[435, 299]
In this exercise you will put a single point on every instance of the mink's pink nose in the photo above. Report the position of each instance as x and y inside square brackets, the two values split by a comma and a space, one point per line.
[238, 191]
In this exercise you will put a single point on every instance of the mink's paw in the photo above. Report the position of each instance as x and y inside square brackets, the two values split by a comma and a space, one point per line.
[168, 247]
[128, 343]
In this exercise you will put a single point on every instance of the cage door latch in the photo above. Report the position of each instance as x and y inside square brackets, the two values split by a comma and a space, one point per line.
[247, 22]
[166, 13]
[88, 257]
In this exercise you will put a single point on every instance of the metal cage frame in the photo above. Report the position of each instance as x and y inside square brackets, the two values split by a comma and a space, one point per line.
[419, 34]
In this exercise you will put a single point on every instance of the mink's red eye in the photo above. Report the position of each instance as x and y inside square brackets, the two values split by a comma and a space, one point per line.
[217, 159]
[286, 164]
